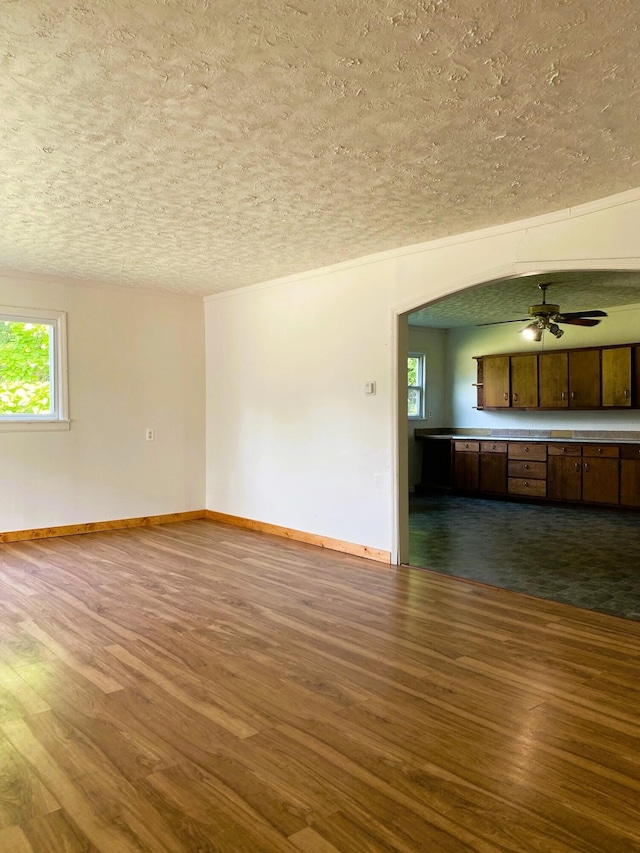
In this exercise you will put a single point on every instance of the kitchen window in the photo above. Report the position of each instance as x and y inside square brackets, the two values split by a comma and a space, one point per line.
[416, 385]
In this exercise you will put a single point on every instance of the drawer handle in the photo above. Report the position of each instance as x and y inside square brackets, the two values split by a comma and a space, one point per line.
[493, 447]
[586, 466]
[626, 393]
[526, 466]
[565, 449]
[526, 484]
[515, 398]
[526, 450]
[467, 444]
[506, 395]
[576, 465]
[563, 395]
[573, 395]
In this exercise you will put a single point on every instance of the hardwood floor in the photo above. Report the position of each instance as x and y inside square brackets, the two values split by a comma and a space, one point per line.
[196, 687]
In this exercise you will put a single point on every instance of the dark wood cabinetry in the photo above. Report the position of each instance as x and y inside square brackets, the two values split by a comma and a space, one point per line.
[589, 378]
[466, 466]
[564, 472]
[493, 467]
[630, 475]
[616, 376]
[496, 381]
[600, 474]
[554, 380]
[583, 473]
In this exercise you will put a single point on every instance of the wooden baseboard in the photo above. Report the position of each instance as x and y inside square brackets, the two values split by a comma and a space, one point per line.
[300, 536]
[95, 526]
[236, 520]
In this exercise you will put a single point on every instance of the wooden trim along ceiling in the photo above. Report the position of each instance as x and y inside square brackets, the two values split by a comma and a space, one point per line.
[210, 515]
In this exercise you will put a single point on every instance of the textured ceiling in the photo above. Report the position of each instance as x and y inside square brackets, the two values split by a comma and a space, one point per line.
[509, 299]
[200, 146]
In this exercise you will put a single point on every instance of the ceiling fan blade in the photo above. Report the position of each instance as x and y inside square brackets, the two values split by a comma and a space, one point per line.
[571, 315]
[578, 321]
[502, 322]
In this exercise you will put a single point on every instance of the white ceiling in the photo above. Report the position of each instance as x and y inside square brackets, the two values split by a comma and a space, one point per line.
[201, 146]
[510, 298]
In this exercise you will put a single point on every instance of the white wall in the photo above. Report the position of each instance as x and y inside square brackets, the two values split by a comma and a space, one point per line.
[291, 438]
[432, 343]
[621, 326]
[136, 360]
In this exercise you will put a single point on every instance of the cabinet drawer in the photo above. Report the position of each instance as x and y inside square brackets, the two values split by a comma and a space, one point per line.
[534, 488]
[630, 451]
[466, 446]
[565, 450]
[521, 450]
[493, 446]
[606, 451]
[522, 468]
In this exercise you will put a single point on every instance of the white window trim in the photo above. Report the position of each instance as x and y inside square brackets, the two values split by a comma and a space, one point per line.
[59, 419]
[420, 387]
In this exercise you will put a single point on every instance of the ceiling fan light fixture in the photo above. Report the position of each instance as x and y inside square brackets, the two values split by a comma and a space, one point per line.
[532, 332]
[555, 329]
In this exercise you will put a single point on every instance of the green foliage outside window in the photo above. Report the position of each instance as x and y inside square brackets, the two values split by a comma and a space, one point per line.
[25, 386]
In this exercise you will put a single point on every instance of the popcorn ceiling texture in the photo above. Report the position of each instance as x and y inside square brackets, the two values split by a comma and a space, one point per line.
[201, 146]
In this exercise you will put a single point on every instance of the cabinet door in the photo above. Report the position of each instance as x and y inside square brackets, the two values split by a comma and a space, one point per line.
[466, 469]
[524, 381]
[493, 473]
[616, 376]
[495, 376]
[564, 478]
[554, 380]
[630, 475]
[600, 480]
[584, 378]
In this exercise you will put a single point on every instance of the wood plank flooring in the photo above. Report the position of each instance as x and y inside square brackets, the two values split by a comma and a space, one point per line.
[195, 687]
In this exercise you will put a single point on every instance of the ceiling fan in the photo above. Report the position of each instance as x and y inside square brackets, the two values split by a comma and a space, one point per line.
[546, 317]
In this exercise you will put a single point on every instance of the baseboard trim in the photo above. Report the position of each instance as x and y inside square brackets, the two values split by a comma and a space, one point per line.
[96, 526]
[376, 554]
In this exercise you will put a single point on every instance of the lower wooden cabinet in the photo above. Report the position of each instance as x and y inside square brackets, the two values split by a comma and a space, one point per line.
[493, 467]
[466, 466]
[580, 473]
[630, 475]
[564, 472]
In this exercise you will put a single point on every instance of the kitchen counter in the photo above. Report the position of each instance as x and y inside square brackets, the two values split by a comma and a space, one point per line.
[546, 439]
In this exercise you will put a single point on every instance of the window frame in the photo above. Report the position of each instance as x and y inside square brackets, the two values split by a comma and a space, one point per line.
[420, 388]
[58, 417]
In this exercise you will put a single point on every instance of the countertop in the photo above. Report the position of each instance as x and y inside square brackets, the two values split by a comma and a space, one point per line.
[584, 439]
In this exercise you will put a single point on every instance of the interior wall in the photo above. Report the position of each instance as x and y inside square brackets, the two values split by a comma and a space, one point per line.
[135, 360]
[621, 326]
[291, 437]
[432, 343]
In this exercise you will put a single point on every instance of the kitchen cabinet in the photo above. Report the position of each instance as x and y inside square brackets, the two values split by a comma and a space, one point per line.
[564, 475]
[527, 469]
[466, 466]
[616, 376]
[630, 475]
[588, 378]
[493, 467]
[553, 368]
[524, 381]
[600, 473]
[584, 378]
[495, 378]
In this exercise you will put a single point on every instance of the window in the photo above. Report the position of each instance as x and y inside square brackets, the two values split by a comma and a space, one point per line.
[33, 387]
[415, 364]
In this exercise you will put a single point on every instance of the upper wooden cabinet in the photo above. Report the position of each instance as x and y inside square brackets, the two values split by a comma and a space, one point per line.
[554, 380]
[616, 376]
[589, 378]
[497, 387]
[524, 381]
